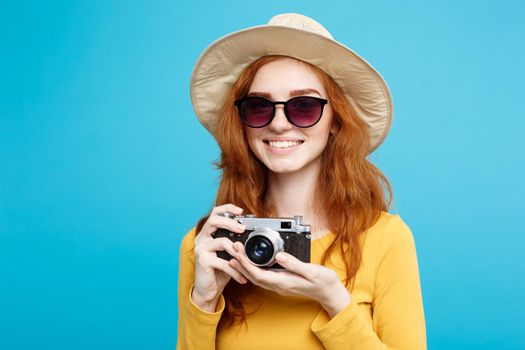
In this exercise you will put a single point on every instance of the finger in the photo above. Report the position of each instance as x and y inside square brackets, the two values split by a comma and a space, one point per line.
[235, 264]
[219, 244]
[216, 222]
[223, 265]
[227, 207]
[292, 264]
[285, 282]
[266, 277]
[276, 280]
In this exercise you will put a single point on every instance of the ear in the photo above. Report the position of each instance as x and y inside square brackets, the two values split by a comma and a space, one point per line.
[333, 129]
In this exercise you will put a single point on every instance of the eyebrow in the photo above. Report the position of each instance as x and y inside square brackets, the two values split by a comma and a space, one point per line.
[292, 93]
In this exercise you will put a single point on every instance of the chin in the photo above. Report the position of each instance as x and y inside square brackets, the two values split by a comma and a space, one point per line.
[283, 168]
[282, 171]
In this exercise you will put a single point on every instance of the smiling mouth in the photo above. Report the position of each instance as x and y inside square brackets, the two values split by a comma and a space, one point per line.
[283, 144]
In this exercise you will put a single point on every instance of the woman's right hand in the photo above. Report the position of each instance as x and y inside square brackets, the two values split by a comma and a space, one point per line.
[211, 272]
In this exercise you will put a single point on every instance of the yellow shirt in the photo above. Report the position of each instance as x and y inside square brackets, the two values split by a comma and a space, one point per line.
[386, 311]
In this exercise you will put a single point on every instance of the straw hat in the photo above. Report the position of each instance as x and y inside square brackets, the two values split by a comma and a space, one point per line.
[300, 37]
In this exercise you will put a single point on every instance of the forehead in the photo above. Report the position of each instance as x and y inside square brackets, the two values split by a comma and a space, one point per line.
[280, 77]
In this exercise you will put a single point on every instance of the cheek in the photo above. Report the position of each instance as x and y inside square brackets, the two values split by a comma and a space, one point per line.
[322, 133]
[329, 120]
[252, 137]
[319, 144]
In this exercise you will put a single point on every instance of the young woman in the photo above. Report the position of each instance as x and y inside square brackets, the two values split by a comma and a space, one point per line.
[295, 114]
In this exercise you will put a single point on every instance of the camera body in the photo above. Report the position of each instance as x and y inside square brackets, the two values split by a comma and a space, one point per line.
[265, 237]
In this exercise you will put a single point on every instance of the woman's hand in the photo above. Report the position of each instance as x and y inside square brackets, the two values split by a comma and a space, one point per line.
[313, 281]
[211, 272]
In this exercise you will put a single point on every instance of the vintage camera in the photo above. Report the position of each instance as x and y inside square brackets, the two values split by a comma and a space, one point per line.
[265, 237]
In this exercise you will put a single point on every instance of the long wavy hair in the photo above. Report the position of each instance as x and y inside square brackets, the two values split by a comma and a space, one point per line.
[350, 190]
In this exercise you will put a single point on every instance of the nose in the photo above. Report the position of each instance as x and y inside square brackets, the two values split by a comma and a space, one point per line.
[279, 122]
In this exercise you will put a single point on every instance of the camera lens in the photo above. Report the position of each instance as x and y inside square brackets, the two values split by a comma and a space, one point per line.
[259, 250]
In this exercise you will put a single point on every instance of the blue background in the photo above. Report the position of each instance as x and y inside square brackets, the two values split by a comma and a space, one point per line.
[103, 166]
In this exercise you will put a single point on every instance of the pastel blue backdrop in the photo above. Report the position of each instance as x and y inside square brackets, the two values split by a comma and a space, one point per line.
[104, 168]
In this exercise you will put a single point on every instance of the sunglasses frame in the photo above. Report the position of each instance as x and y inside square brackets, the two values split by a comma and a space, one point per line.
[239, 102]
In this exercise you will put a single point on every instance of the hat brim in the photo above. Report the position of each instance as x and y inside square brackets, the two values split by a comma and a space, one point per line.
[221, 63]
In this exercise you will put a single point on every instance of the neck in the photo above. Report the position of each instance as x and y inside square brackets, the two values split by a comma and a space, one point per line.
[294, 194]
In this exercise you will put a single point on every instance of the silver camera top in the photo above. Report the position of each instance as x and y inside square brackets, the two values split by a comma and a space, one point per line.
[284, 224]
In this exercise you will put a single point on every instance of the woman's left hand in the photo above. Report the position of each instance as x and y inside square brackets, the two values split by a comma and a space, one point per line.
[313, 281]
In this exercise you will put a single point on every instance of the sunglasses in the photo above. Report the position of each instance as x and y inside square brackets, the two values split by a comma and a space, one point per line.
[301, 111]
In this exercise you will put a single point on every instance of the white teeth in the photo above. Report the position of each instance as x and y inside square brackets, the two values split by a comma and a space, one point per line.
[283, 144]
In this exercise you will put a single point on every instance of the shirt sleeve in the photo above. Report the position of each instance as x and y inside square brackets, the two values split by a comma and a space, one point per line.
[398, 316]
[196, 327]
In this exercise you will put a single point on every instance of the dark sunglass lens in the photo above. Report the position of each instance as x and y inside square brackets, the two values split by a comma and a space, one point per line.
[304, 111]
[256, 112]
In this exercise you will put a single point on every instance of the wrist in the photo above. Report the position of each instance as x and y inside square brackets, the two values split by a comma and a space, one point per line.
[336, 301]
[206, 303]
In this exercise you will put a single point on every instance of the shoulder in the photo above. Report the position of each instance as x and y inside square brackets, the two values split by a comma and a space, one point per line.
[390, 225]
[188, 241]
[389, 232]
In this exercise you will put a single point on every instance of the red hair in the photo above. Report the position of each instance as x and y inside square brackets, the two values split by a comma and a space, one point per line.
[350, 189]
